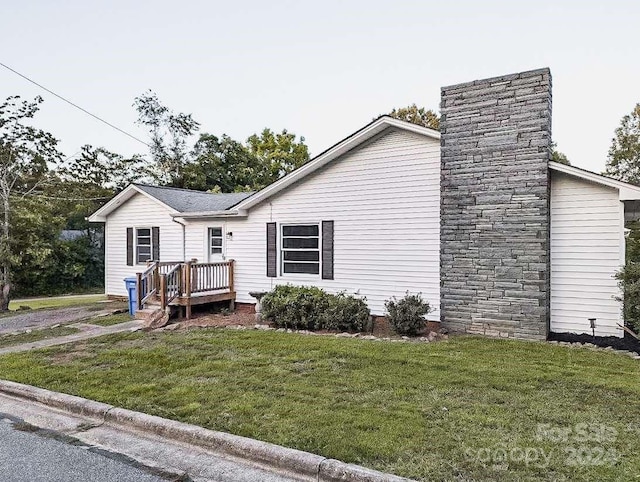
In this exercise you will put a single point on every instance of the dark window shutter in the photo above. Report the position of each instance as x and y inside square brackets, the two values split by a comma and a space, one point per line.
[272, 254]
[155, 241]
[327, 249]
[129, 246]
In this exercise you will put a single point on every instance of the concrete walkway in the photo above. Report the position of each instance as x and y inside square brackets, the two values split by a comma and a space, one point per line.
[87, 331]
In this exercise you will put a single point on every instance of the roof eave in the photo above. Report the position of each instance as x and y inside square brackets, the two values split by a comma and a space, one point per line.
[626, 191]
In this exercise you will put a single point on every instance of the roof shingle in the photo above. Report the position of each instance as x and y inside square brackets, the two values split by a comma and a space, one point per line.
[189, 201]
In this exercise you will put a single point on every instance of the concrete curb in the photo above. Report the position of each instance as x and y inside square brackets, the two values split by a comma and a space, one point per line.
[297, 463]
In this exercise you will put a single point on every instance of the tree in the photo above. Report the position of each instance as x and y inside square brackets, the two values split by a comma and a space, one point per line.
[277, 153]
[99, 168]
[417, 115]
[25, 154]
[558, 156]
[218, 164]
[170, 133]
[624, 154]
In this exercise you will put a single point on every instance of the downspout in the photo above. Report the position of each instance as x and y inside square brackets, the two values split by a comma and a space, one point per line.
[184, 243]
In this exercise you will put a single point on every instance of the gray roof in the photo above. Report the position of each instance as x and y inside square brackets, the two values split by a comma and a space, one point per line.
[188, 201]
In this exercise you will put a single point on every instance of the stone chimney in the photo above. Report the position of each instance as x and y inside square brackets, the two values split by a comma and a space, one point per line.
[494, 205]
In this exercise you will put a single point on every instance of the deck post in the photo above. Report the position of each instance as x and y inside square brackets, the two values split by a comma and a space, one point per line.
[187, 288]
[139, 290]
[163, 291]
[156, 277]
[232, 301]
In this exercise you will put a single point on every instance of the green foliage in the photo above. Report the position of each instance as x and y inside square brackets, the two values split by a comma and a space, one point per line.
[218, 164]
[558, 156]
[629, 279]
[346, 313]
[407, 314]
[624, 154]
[25, 156]
[277, 154]
[170, 133]
[417, 115]
[311, 308]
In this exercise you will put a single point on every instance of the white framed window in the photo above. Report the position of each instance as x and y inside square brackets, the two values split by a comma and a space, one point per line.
[215, 241]
[144, 245]
[300, 248]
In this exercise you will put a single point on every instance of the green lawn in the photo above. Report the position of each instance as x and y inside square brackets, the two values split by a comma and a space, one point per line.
[57, 302]
[442, 411]
[36, 335]
[109, 319]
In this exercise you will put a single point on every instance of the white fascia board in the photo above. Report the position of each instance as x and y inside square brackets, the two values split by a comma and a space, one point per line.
[100, 216]
[334, 152]
[211, 214]
[626, 191]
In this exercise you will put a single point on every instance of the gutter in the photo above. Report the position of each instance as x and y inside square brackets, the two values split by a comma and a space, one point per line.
[211, 214]
[184, 241]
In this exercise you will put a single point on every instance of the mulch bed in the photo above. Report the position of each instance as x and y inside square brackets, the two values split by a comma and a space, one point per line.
[627, 343]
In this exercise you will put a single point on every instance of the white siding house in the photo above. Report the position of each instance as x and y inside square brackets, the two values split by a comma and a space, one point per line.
[364, 217]
[384, 200]
[141, 213]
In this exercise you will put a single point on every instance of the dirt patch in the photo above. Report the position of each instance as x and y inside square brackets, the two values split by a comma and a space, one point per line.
[67, 357]
[215, 320]
[627, 343]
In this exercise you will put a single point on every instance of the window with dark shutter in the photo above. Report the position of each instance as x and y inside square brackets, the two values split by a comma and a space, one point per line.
[300, 249]
[272, 253]
[327, 249]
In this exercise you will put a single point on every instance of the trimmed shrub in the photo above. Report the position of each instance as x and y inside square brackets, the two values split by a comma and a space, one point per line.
[407, 314]
[629, 282]
[346, 313]
[311, 308]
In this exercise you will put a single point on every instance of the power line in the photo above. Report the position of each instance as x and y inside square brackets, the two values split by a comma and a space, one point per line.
[74, 105]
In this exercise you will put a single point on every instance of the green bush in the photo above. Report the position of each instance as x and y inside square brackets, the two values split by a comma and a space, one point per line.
[407, 314]
[346, 313]
[629, 282]
[311, 308]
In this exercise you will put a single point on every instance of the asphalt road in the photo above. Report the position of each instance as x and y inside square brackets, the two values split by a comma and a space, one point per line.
[34, 457]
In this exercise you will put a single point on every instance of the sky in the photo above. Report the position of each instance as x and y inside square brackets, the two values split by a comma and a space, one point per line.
[319, 69]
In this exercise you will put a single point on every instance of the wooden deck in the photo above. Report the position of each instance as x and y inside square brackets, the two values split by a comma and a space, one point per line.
[185, 284]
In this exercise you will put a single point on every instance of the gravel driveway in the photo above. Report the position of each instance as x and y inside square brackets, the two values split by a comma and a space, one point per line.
[43, 318]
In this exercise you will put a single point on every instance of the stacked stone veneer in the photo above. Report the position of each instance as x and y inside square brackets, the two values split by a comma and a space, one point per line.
[494, 236]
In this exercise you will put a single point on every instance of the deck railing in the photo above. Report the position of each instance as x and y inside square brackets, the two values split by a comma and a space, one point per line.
[169, 280]
[148, 284]
[170, 285]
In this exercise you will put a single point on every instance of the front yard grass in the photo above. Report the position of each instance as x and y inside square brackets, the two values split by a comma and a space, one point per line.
[57, 301]
[36, 335]
[465, 409]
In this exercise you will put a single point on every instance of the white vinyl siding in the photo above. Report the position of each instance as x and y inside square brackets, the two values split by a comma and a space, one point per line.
[137, 212]
[384, 199]
[587, 248]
